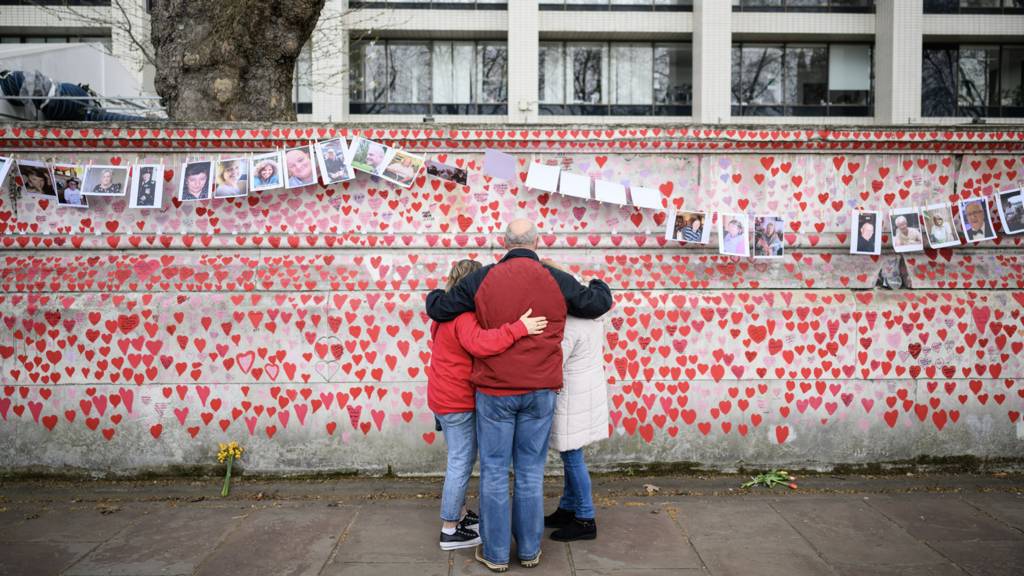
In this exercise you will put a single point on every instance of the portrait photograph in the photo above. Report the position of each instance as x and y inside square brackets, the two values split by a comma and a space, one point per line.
[299, 167]
[734, 234]
[67, 181]
[905, 224]
[447, 172]
[692, 227]
[402, 168]
[147, 189]
[332, 155]
[105, 181]
[976, 219]
[266, 171]
[232, 178]
[865, 233]
[369, 156]
[36, 178]
[196, 181]
[5, 168]
[768, 239]
[1011, 210]
[939, 227]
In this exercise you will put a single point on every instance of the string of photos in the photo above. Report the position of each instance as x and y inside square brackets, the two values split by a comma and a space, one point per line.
[334, 161]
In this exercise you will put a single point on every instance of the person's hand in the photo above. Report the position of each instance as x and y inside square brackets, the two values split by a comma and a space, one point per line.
[534, 325]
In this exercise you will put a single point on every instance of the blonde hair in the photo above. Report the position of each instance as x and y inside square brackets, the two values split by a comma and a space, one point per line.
[460, 270]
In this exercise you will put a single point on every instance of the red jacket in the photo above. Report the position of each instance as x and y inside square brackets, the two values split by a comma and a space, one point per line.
[454, 345]
[500, 293]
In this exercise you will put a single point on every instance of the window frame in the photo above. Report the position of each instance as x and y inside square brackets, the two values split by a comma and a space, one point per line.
[610, 6]
[790, 110]
[989, 110]
[569, 107]
[429, 5]
[936, 7]
[785, 7]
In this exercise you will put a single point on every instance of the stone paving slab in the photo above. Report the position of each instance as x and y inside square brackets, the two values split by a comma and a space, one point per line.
[635, 536]
[40, 557]
[393, 532]
[985, 558]
[733, 535]
[300, 539]
[941, 518]
[1008, 508]
[167, 541]
[71, 523]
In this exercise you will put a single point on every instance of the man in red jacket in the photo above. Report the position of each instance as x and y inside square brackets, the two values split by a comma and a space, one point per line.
[515, 390]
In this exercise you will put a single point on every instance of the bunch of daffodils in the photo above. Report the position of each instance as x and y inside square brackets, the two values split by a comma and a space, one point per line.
[228, 452]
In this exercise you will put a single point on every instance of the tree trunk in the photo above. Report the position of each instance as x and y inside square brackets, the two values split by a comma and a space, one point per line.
[230, 59]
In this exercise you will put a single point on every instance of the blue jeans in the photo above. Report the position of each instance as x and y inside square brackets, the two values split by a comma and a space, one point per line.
[576, 495]
[513, 430]
[460, 435]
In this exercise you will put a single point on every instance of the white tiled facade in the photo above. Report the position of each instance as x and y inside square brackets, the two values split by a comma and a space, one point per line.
[897, 31]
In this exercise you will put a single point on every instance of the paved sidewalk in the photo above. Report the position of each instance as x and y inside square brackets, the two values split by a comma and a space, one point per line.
[935, 525]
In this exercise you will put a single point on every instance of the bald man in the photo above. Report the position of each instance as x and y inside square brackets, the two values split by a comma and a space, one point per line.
[515, 390]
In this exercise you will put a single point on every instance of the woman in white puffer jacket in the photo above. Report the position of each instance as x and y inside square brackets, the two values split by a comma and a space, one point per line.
[581, 418]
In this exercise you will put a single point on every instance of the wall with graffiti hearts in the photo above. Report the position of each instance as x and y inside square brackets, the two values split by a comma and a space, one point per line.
[292, 321]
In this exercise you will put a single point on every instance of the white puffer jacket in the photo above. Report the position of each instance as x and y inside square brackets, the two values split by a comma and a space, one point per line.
[581, 410]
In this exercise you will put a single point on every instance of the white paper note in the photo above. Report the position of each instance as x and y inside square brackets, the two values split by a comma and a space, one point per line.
[609, 192]
[576, 185]
[543, 177]
[646, 198]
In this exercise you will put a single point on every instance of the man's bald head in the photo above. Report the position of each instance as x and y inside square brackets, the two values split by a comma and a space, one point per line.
[521, 233]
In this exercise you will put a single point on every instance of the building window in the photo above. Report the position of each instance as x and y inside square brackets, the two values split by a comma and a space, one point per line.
[60, 39]
[974, 6]
[432, 4]
[302, 81]
[802, 80]
[619, 5]
[429, 77]
[863, 6]
[972, 81]
[617, 78]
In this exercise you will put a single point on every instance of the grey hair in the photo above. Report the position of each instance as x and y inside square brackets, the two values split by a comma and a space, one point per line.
[525, 239]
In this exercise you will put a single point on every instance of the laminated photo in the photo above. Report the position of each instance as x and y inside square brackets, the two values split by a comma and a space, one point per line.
[733, 234]
[232, 178]
[299, 167]
[768, 239]
[976, 219]
[938, 226]
[196, 181]
[67, 181]
[905, 224]
[692, 227]
[369, 156]
[403, 168]
[1011, 210]
[266, 171]
[865, 233]
[36, 178]
[105, 181]
[332, 156]
[447, 172]
[147, 190]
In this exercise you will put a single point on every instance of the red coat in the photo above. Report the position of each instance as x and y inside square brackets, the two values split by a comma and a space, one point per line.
[454, 345]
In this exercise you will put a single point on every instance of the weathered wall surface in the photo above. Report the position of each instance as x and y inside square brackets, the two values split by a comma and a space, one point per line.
[292, 321]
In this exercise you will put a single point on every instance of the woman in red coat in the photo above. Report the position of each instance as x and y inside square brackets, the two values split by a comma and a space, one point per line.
[451, 397]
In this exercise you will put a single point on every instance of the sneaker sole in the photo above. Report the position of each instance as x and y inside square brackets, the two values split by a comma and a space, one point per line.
[531, 563]
[459, 545]
[584, 537]
[490, 565]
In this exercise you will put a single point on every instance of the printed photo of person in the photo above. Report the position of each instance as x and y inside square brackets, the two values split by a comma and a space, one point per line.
[266, 171]
[36, 178]
[68, 182]
[232, 178]
[865, 233]
[146, 191]
[690, 227]
[906, 230]
[1011, 210]
[195, 181]
[299, 168]
[733, 235]
[105, 181]
[768, 240]
[5, 168]
[331, 155]
[976, 220]
[369, 156]
[447, 172]
[403, 168]
[938, 226]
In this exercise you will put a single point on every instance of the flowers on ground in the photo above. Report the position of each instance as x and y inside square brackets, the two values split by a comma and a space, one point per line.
[228, 452]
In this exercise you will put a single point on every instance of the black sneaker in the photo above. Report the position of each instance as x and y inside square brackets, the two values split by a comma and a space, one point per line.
[470, 521]
[463, 538]
[579, 529]
[559, 518]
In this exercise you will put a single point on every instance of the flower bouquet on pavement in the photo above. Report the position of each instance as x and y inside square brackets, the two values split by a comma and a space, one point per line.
[772, 479]
[228, 452]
